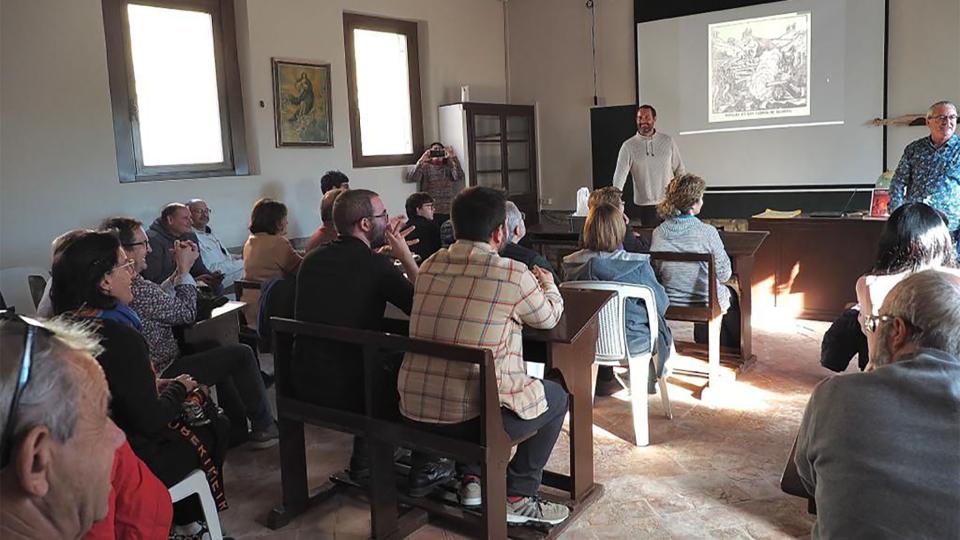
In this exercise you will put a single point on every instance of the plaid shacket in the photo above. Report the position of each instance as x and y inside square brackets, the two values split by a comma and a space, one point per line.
[469, 295]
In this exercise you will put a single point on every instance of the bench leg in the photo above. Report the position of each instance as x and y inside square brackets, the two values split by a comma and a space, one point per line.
[493, 483]
[382, 490]
[293, 474]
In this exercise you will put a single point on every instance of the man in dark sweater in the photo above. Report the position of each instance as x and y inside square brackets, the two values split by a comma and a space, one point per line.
[516, 229]
[348, 283]
[175, 223]
[420, 214]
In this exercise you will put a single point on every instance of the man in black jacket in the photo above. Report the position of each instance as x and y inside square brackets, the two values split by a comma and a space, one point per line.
[420, 214]
[516, 229]
[175, 223]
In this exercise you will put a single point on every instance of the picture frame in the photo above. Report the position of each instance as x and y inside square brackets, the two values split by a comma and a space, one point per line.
[302, 103]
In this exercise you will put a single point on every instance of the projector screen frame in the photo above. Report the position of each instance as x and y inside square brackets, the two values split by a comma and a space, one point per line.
[647, 11]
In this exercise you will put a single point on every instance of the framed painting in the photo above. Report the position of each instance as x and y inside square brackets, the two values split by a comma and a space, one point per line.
[303, 114]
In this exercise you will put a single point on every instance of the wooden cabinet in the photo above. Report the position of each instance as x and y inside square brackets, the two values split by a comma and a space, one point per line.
[497, 148]
[809, 266]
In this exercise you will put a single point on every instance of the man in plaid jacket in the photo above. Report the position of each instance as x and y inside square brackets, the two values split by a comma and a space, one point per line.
[469, 295]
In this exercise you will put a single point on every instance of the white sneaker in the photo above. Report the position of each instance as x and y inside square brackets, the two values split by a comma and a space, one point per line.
[536, 510]
[469, 493]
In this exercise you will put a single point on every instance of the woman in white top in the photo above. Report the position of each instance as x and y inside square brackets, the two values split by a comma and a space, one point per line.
[915, 238]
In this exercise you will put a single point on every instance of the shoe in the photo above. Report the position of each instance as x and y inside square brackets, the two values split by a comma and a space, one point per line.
[469, 492]
[608, 388]
[265, 438]
[359, 468]
[423, 478]
[536, 510]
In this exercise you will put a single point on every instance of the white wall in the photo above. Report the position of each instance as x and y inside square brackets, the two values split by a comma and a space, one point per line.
[550, 64]
[57, 153]
[549, 60]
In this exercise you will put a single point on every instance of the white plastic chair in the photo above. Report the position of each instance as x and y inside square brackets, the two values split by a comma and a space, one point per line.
[196, 482]
[612, 348]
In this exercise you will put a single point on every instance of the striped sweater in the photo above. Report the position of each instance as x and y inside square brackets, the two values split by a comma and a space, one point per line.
[686, 283]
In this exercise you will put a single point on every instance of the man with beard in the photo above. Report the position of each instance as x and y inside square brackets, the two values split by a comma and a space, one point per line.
[652, 159]
[348, 283]
[878, 449]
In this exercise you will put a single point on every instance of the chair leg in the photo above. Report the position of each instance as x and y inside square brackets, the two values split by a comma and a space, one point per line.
[713, 348]
[210, 513]
[594, 368]
[662, 383]
[639, 375]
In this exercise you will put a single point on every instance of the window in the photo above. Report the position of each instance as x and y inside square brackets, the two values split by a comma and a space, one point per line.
[175, 89]
[383, 90]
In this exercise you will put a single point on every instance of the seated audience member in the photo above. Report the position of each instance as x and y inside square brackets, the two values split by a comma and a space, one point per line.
[914, 238]
[348, 284]
[232, 369]
[502, 296]
[45, 307]
[613, 195]
[175, 223]
[682, 232]
[92, 281]
[878, 450]
[516, 229]
[58, 443]
[419, 208]
[212, 253]
[267, 252]
[603, 259]
[333, 180]
[327, 231]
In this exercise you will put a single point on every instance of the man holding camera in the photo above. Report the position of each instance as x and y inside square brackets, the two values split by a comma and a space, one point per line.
[438, 173]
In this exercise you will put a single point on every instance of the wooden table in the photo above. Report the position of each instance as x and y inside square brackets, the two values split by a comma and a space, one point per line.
[222, 328]
[570, 349]
[554, 241]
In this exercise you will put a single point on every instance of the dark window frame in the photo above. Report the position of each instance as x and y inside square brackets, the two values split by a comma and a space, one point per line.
[352, 21]
[130, 166]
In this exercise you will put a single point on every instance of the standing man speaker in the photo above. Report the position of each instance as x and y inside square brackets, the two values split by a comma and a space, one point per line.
[652, 159]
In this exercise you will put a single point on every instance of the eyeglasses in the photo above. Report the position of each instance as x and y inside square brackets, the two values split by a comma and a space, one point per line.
[380, 215]
[872, 322]
[128, 266]
[944, 118]
[132, 245]
[204, 210]
[23, 377]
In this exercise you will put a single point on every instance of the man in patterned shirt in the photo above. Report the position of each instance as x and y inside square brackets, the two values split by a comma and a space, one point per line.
[469, 295]
[929, 171]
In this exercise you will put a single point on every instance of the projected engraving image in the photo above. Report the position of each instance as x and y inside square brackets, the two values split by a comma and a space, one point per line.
[759, 68]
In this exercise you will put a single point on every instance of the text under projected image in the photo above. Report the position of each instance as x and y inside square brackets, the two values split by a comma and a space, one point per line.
[773, 95]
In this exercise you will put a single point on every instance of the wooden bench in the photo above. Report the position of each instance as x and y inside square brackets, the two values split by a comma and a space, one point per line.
[709, 312]
[491, 447]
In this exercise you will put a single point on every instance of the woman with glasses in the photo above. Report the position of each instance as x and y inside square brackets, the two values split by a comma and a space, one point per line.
[92, 281]
[267, 253]
[915, 238]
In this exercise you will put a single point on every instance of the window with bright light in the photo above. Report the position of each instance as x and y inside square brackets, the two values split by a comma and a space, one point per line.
[174, 84]
[386, 123]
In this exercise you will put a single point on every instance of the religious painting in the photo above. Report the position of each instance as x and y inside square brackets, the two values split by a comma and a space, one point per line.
[760, 68]
[302, 103]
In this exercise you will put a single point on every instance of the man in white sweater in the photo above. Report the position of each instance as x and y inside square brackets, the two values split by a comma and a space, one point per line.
[652, 159]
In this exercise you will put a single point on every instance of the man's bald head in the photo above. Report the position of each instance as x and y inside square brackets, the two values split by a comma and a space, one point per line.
[922, 311]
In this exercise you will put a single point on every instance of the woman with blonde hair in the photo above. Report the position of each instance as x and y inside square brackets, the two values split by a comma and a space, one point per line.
[683, 232]
[604, 259]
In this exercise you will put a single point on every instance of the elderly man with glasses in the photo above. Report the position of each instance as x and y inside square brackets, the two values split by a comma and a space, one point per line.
[214, 256]
[929, 171]
[880, 450]
[58, 443]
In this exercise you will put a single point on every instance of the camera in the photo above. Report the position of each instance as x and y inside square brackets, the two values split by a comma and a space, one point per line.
[437, 153]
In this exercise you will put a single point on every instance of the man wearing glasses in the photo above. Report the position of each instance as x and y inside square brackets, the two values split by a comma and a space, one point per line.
[214, 256]
[58, 443]
[880, 450]
[929, 171]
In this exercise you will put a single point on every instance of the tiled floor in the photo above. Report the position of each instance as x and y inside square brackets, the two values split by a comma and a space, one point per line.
[711, 472]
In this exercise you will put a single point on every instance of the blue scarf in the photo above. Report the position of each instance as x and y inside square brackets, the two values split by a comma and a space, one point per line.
[120, 313]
